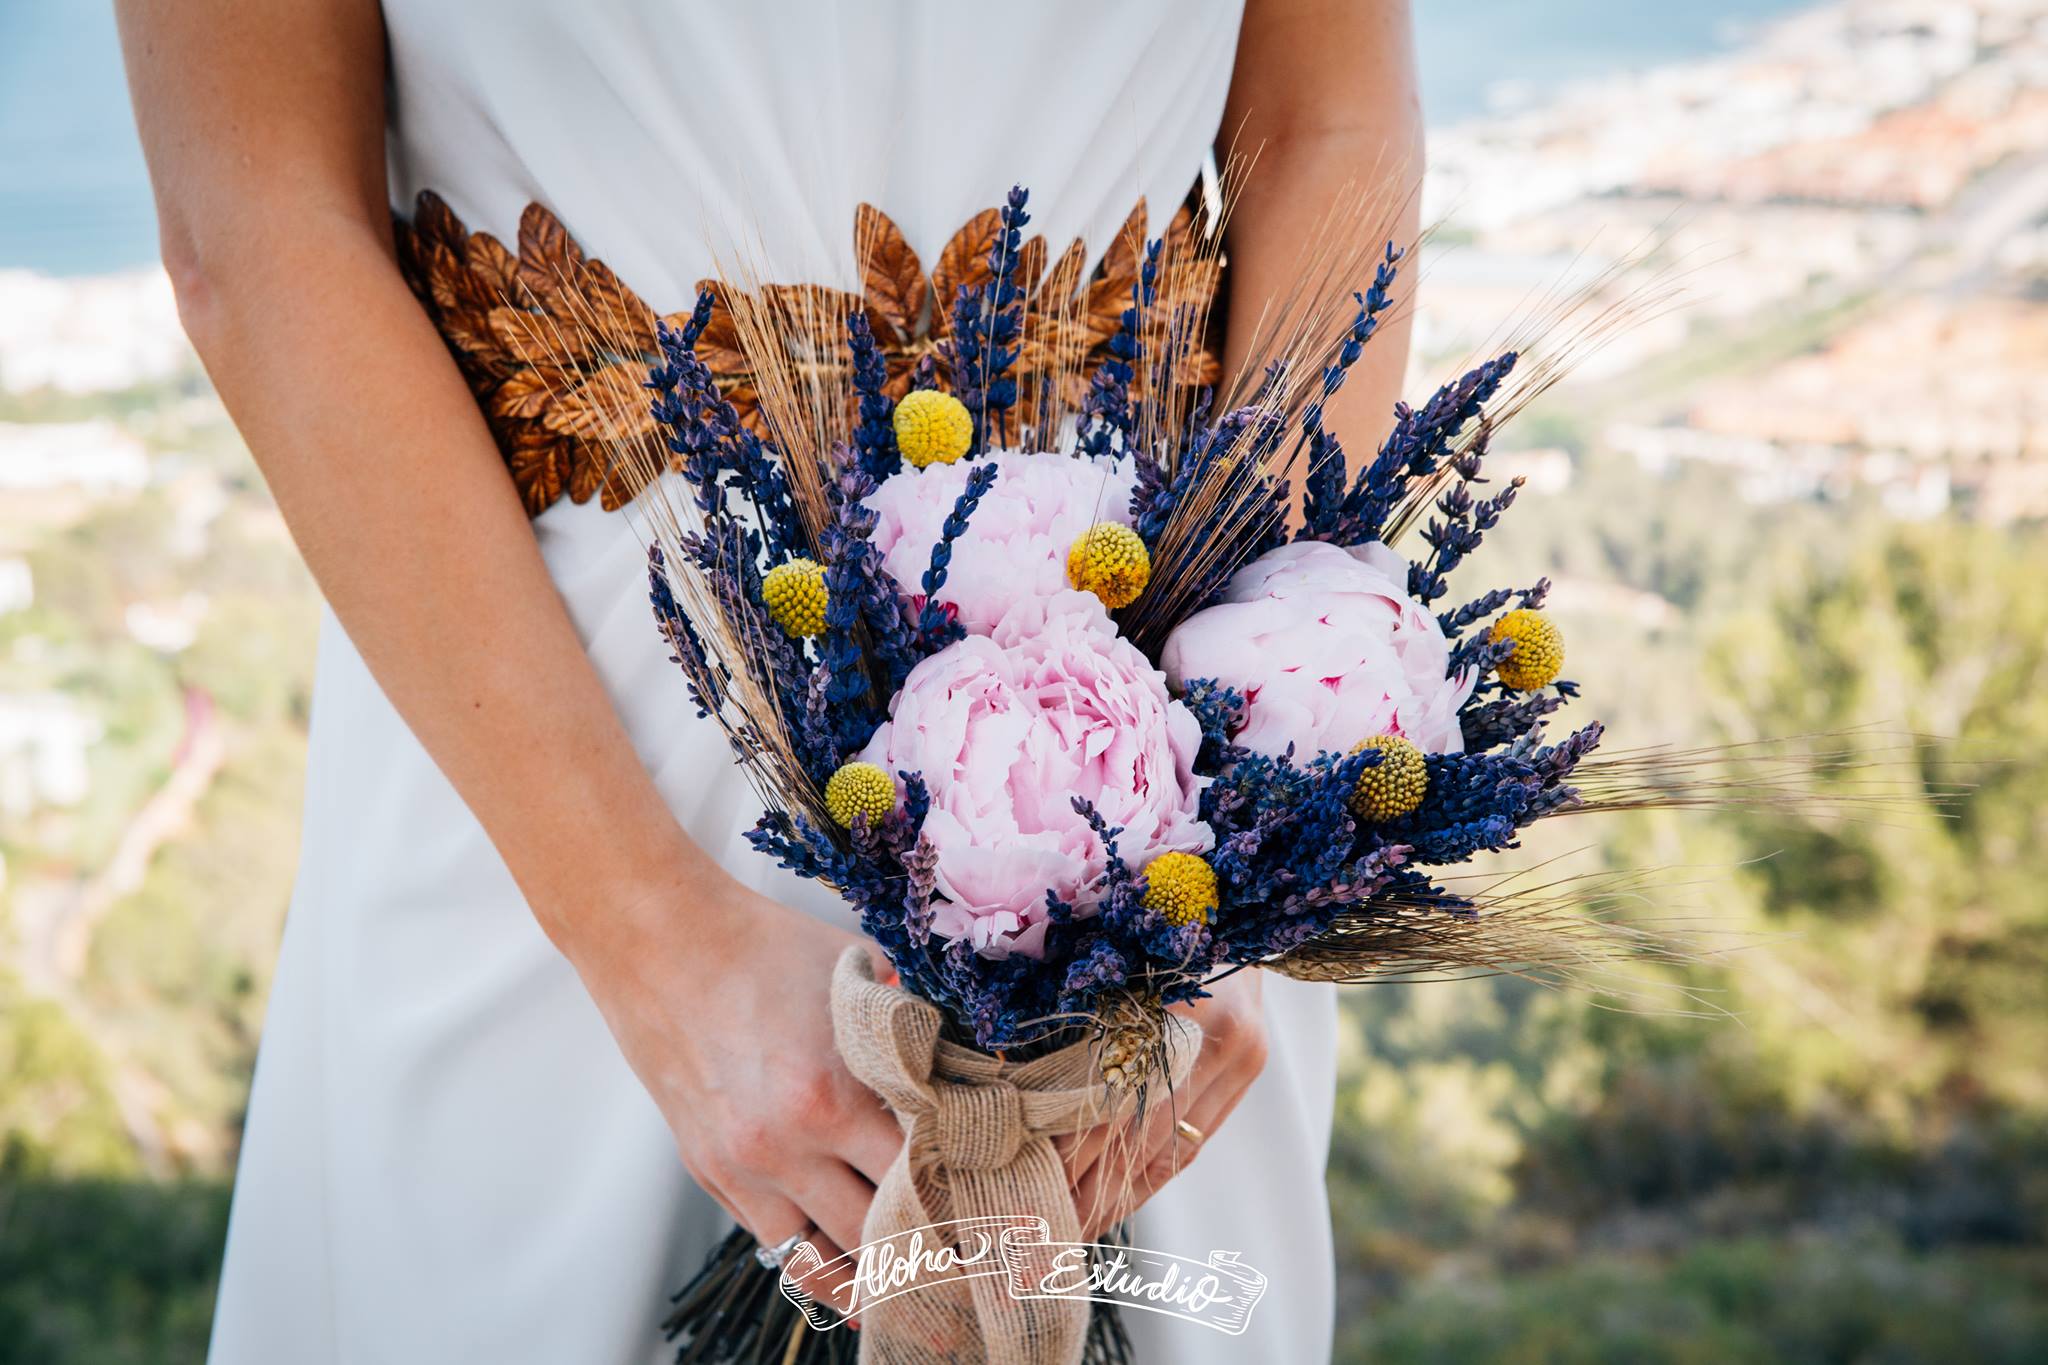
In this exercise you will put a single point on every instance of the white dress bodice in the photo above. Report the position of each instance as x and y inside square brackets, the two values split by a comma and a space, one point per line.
[664, 131]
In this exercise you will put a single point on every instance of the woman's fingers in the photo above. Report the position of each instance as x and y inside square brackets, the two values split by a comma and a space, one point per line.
[1080, 1151]
[1215, 1104]
[1118, 1185]
[719, 1193]
[835, 1197]
[1130, 1170]
[774, 1219]
[1106, 1161]
[820, 1270]
[1115, 1163]
[870, 1140]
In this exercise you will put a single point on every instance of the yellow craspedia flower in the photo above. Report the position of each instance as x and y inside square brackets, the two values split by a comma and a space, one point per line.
[1539, 649]
[1110, 561]
[1181, 887]
[932, 427]
[1393, 786]
[796, 597]
[859, 789]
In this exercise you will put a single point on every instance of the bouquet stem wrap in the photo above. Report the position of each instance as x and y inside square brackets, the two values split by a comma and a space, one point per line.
[978, 1146]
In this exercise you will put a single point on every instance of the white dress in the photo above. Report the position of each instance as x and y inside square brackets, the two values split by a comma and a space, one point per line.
[446, 1158]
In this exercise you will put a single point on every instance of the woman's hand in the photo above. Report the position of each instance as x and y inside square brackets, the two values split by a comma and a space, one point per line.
[1117, 1167]
[733, 1039]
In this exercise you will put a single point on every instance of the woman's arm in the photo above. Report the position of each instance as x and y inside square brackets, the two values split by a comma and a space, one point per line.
[264, 129]
[1324, 93]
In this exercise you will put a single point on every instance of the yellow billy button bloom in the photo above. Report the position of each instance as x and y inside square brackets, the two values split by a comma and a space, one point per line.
[859, 789]
[932, 428]
[796, 597]
[1395, 785]
[1110, 561]
[1181, 887]
[1539, 649]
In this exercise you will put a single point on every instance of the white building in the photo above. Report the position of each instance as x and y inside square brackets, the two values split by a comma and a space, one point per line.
[167, 626]
[97, 457]
[45, 738]
[95, 335]
[17, 585]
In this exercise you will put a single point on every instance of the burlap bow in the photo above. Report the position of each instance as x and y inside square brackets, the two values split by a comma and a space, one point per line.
[978, 1144]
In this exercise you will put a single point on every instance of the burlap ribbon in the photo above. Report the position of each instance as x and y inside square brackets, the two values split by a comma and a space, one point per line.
[978, 1144]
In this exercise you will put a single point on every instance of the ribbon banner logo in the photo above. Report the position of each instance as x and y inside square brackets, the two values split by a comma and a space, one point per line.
[1218, 1293]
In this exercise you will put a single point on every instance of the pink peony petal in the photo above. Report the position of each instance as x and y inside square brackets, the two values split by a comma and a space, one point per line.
[1328, 649]
[1007, 729]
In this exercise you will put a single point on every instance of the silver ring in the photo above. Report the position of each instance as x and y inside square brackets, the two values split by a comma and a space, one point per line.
[771, 1258]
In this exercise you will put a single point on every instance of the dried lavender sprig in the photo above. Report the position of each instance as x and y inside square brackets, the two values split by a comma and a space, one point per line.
[935, 627]
[1099, 968]
[682, 388]
[1120, 898]
[1487, 725]
[1004, 300]
[699, 674]
[798, 846]
[725, 555]
[694, 325]
[875, 437]
[964, 354]
[717, 451]
[988, 323]
[1149, 474]
[1478, 654]
[1323, 490]
[1275, 820]
[1221, 712]
[1465, 523]
[846, 548]
[1107, 420]
[1300, 916]
[1476, 804]
[892, 643]
[917, 799]
[1419, 441]
[1455, 623]
[816, 734]
[1152, 504]
[1554, 766]
[921, 868]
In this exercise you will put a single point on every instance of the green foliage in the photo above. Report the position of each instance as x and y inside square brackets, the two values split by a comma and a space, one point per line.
[122, 1085]
[57, 1110]
[1934, 925]
[1829, 1144]
[180, 970]
[1763, 1303]
[107, 1272]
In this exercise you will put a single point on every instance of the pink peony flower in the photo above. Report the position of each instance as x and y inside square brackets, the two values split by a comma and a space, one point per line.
[1016, 542]
[1007, 729]
[1329, 649]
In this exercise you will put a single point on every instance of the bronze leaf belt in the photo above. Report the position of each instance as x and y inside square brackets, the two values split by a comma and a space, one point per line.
[556, 346]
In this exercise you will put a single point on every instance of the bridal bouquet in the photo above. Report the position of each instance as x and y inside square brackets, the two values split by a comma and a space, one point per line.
[1037, 669]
